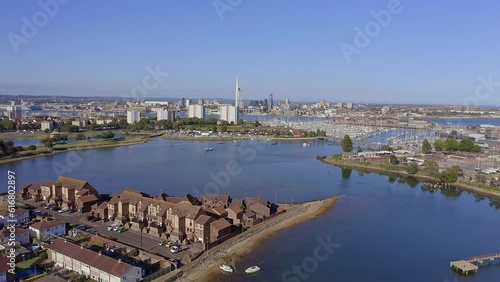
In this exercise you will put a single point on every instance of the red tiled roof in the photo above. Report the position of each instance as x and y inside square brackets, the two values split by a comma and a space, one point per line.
[219, 224]
[88, 198]
[72, 182]
[86, 256]
[42, 225]
[4, 264]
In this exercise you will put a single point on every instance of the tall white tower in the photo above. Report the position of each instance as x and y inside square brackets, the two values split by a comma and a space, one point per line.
[237, 99]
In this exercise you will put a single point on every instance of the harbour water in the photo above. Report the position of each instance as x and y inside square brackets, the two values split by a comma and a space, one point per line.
[387, 229]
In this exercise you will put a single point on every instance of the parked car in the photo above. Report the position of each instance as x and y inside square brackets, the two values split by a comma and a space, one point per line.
[72, 211]
[169, 244]
[55, 208]
[64, 210]
[96, 219]
[90, 217]
[121, 230]
[175, 249]
[161, 243]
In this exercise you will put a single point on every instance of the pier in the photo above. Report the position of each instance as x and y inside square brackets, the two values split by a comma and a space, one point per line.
[468, 265]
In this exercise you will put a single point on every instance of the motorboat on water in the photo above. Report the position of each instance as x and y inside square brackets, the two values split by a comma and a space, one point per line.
[252, 269]
[226, 268]
[208, 149]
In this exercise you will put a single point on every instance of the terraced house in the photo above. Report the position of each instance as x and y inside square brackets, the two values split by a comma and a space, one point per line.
[65, 192]
[162, 216]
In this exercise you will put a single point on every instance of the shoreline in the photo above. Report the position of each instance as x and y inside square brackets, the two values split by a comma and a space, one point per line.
[229, 138]
[207, 268]
[422, 178]
[144, 139]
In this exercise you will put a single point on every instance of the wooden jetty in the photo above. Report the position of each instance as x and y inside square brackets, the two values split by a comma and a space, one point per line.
[468, 265]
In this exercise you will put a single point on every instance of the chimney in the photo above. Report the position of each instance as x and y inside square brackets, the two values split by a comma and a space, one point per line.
[119, 260]
[100, 253]
[81, 246]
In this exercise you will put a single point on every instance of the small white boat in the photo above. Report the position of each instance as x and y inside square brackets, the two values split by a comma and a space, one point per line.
[226, 268]
[252, 269]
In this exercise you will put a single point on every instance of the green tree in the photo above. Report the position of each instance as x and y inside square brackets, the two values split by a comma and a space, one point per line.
[360, 150]
[412, 168]
[80, 137]
[458, 170]
[431, 168]
[48, 142]
[448, 176]
[393, 159]
[108, 135]
[256, 123]
[386, 148]
[439, 145]
[451, 144]
[476, 149]
[32, 147]
[426, 146]
[466, 144]
[347, 144]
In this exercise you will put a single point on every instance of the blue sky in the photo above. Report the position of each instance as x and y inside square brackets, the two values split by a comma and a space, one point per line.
[429, 52]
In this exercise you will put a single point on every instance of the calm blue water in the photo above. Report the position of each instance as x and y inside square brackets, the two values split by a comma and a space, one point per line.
[387, 229]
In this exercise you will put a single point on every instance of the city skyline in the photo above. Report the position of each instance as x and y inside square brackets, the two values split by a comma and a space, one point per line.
[423, 53]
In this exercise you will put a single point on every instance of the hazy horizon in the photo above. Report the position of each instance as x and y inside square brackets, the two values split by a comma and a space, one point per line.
[394, 52]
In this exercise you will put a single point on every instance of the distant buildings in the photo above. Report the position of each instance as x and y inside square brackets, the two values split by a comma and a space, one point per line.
[14, 112]
[229, 113]
[349, 105]
[165, 115]
[47, 125]
[271, 102]
[197, 111]
[133, 117]
[340, 105]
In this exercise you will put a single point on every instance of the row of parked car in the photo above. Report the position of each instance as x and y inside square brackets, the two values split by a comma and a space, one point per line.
[54, 207]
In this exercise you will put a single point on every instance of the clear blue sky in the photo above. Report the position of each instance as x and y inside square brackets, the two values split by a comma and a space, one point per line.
[430, 52]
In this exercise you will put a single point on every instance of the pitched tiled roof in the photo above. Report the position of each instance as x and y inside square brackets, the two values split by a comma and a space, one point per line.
[219, 224]
[88, 198]
[86, 256]
[72, 182]
[42, 225]
[4, 264]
